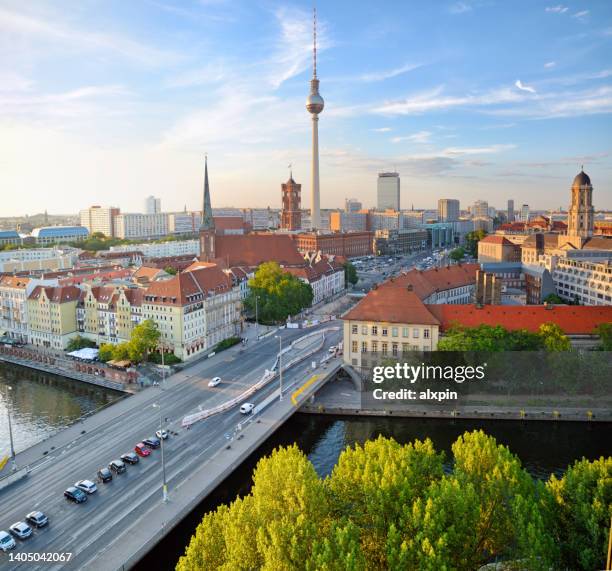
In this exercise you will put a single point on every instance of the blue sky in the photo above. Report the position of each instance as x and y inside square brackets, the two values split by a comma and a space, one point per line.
[105, 102]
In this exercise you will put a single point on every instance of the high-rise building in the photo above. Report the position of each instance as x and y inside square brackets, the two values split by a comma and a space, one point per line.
[152, 205]
[388, 191]
[581, 212]
[207, 227]
[136, 226]
[510, 214]
[480, 209]
[291, 215]
[99, 219]
[525, 213]
[314, 105]
[448, 210]
[352, 205]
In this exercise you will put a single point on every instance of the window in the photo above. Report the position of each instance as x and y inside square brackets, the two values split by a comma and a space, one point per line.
[394, 332]
[354, 329]
[374, 329]
[364, 329]
[415, 333]
[426, 333]
[364, 346]
[354, 347]
[405, 347]
[385, 331]
[405, 332]
[374, 346]
[394, 349]
[385, 348]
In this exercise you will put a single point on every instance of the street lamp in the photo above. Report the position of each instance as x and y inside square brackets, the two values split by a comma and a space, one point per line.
[10, 426]
[280, 364]
[161, 440]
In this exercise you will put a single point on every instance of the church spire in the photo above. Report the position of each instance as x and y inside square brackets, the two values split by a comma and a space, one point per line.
[208, 222]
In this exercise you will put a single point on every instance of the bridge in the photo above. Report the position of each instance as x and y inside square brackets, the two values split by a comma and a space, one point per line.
[125, 518]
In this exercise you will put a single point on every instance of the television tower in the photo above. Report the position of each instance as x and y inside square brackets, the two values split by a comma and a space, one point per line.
[314, 105]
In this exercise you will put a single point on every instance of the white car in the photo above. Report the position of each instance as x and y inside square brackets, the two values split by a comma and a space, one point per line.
[247, 408]
[214, 382]
[333, 349]
[6, 541]
[86, 486]
[161, 434]
[21, 530]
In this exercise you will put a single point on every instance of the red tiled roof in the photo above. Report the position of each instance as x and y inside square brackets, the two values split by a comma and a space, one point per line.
[188, 287]
[254, 249]
[391, 305]
[424, 283]
[573, 320]
[147, 273]
[598, 243]
[14, 281]
[60, 294]
[134, 295]
[228, 222]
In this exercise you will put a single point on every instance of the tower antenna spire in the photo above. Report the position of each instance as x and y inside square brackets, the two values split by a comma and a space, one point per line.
[314, 36]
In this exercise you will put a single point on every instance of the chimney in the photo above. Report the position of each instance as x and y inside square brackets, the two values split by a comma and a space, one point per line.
[410, 287]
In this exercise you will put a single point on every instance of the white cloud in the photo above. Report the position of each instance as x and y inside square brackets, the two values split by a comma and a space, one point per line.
[460, 8]
[382, 130]
[420, 137]
[519, 85]
[492, 149]
[550, 64]
[388, 74]
[581, 15]
[558, 9]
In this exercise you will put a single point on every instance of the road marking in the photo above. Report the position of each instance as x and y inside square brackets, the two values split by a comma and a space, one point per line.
[297, 393]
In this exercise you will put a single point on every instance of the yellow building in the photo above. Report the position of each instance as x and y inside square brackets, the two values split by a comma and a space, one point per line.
[52, 315]
[390, 321]
[13, 310]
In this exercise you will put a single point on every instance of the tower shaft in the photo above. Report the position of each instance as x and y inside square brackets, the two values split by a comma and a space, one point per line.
[315, 206]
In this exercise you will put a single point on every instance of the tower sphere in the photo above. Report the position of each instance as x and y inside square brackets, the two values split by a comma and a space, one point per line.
[314, 103]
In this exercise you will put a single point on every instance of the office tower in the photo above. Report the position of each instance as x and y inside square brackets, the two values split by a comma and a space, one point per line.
[480, 209]
[314, 105]
[152, 205]
[510, 214]
[448, 210]
[99, 219]
[388, 191]
[525, 213]
[352, 205]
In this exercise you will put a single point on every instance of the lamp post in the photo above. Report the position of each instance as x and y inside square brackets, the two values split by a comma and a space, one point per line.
[10, 426]
[161, 440]
[256, 317]
[280, 363]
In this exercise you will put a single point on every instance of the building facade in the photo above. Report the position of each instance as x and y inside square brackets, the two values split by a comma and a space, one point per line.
[448, 210]
[152, 205]
[59, 234]
[402, 241]
[138, 226]
[585, 281]
[347, 244]
[291, 214]
[99, 219]
[388, 191]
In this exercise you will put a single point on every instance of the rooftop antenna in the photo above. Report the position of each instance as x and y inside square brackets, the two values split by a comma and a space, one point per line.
[314, 33]
[290, 170]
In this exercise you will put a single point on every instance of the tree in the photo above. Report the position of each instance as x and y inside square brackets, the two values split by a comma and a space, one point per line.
[471, 241]
[279, 294]
[106, 352]
[605, 336]
[79, 342]
[582, 509]
[457, 254]
[143, 340]
[553, 298]
[170, 270]
[553, 337]
[489, 338]
[350, 274]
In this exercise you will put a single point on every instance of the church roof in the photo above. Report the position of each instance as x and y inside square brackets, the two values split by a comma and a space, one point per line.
[581, 179]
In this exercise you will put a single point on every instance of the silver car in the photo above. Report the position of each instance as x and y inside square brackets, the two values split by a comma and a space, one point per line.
[21, 530]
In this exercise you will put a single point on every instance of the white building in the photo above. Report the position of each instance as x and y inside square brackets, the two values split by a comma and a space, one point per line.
[152, 205]
[388, 191]
[162, 249]
[99, 219]
[413, 218]
[589, 281]
[29, 259]
[137, 226]
[386, 220]
[480, 209]
[325, 276]
[524, 216]
[183, 222]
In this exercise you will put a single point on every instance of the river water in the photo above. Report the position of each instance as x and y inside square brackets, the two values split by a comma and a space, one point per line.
[43, 404]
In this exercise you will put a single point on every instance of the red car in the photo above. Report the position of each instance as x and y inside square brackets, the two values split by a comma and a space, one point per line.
[142, 450]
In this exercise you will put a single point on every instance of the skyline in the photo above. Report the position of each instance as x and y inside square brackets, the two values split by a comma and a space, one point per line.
[472, 109]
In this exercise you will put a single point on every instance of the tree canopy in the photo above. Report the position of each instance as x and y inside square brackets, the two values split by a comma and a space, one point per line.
[392, 506]
[457, 254]
[471, 241]
[350, 274]
[143, 341]
[279, 294]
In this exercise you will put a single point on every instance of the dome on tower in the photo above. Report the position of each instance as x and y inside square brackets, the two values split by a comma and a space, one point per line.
[582, 179]
[314, 103]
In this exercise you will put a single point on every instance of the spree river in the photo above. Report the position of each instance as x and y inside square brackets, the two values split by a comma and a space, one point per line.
[42, 404]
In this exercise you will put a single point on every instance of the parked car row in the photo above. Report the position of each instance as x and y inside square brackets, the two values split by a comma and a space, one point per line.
[22, 529]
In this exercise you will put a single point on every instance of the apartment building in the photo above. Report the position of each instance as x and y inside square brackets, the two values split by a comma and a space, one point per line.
[13, 307]
[137, 226]
[194, 310]
[163, 249]
[589, 282]
[51, 315]
[99, 219]
[325, 276]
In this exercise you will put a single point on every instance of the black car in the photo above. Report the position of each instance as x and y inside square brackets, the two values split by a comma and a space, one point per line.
[104, 475]
[117, 466]
[75, 495]
[130, 458]
[151, 442]
[37, 519]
